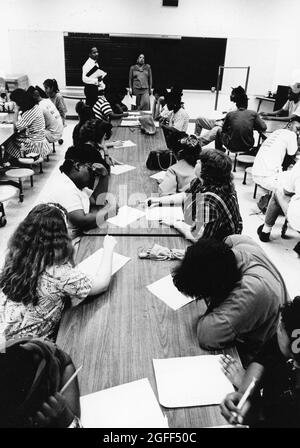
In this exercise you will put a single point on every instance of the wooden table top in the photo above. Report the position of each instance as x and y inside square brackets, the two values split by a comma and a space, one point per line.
[134, 186]
[116, 335]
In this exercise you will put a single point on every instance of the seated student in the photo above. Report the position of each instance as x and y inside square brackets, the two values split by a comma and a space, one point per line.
[211, 207]
[76, 181]
[103, 111]
[214, 124]
[93, 133]
[52, 91]
[290, 110]
[277, 370]
[30, 127]
[160, 94]
[243, 291]
[32, 373]
[271, 155]
[164, 114]
[176, 125]
[84, 113]
[39, 276]
[53, 122]
[115, 97]
[237, 131]
[288, 186]
[179, 175]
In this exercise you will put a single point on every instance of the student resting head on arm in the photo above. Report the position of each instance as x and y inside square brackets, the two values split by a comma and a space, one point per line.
[84, 181]
[39, 277]
[242, 289]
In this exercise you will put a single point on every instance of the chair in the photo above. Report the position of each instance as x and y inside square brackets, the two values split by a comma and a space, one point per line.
[30, 162]
[6, 192]
[246, 160]
[20, 174]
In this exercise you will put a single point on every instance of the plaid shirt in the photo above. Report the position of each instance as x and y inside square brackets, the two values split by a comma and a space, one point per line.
[212, 213]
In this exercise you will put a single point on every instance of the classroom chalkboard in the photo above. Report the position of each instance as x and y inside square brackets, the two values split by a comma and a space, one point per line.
[188, 62]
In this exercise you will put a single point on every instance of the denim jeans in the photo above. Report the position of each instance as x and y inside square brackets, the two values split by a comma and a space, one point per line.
[278, 203]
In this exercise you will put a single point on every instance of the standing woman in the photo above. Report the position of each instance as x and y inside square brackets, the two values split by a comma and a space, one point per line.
[52, 91]
[30, 127]
[140, 83]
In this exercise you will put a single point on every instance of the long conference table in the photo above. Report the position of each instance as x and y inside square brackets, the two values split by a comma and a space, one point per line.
[116, 335]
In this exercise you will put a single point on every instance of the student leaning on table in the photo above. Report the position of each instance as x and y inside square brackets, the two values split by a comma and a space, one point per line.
[277, 371]
[73, 190]
[211, 208]
[39, 277]
[32, 373]
[242, 288]
[290, 109]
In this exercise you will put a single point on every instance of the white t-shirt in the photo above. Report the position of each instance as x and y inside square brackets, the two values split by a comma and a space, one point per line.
[179, 120]
[53, 121]
[292, 108]
[65, 193]
[270, 156]
[290, 179]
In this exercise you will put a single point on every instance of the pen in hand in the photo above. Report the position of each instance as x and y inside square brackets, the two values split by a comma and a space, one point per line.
[235, 418]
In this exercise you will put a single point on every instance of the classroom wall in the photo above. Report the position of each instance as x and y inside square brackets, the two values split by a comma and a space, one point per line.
[261, 33]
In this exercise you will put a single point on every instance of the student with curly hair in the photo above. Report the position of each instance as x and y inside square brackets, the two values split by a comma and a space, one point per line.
[242, 288]
[276, 369]
[211, 208]
[39, 274]
[32, 373]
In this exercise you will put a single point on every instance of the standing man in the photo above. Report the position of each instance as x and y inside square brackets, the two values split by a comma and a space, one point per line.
[140, 83]
[92, 77]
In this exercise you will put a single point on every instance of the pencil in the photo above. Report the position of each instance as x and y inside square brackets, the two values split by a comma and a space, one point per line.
[247, 393]
[244, 398]
[70, 380]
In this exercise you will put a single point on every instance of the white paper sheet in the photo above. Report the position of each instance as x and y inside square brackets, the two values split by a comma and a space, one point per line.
[90, 265]
[159, 213]
[131, 405]
[159, 176]
[126, 215]
[165, 290]
[119, 169]
[120, 144]
[191, 381]
[130, 123]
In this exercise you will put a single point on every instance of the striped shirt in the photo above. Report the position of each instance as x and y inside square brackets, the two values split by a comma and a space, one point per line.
[102, 109]
[212, 213]
[31, 126]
